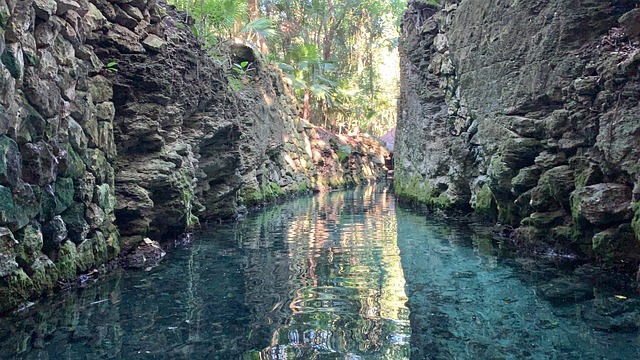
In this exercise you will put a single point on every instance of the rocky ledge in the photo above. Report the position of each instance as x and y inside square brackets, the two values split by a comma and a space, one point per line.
[526, 113]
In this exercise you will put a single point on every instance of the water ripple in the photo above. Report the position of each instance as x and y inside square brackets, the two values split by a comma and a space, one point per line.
[345, 275]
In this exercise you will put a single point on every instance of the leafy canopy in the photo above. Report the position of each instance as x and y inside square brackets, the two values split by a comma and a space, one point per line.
[341, 56]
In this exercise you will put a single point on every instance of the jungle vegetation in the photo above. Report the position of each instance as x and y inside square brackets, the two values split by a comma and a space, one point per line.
[341, 56]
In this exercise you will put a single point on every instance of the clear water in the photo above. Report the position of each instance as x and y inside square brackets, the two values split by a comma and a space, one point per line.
[345, 275]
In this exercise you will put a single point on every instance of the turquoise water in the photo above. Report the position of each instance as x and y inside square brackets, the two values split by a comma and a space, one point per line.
[345, 275]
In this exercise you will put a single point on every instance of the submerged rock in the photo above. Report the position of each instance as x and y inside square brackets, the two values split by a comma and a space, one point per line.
[566, 290]
[612, 314]
[147, 254]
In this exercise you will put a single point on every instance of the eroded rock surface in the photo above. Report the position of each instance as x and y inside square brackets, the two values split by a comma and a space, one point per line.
[526, 113]
[117, 131]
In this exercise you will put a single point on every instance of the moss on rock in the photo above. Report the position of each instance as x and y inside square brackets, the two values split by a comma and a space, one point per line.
[266, 192]
[43, 273]
[85, 258]
[16, 289]
[66, 261]
[570, 234]
[30, 243]
[250, 196]
[615, 244]
[416, 188]
[64, 193]
[485, 204]
[544, 220]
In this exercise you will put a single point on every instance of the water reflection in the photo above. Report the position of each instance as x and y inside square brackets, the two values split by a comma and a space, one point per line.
[345, 275]
[314, 278]
[349, 297]
[468, 300]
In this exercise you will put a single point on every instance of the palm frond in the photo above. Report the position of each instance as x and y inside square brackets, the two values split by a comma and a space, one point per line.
[263, 28]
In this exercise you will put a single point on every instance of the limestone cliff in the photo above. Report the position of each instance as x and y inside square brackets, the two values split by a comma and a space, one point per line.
[528, 113]
[117, 127]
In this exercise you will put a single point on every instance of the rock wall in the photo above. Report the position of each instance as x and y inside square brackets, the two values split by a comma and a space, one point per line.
[118, 131]
[527, 113]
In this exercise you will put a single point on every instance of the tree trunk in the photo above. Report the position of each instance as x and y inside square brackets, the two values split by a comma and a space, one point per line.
[254, 9]
[306, 110]
[331, 32]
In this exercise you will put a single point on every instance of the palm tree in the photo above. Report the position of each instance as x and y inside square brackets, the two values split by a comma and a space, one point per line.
[259, 32]
[307, 71]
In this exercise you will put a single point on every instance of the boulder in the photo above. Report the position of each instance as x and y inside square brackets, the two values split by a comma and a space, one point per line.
[45, 8]
[566, 290]
[74, 219]
[20, 20]
[124, 19]
[30, 244]
[526, 179]
[587, 85]
[105, 111]
[602, 204]
[65, 5]
[125, 40]
[54, 232]
[98, 166]
[544, 220]
[104, 197]
[553, 189]
[43, 273]
[5, 13]
[7, 252]
[148, 253]
[13, 59]
[520, 152]
[64, 194]
[154, 43]
[134, 11]
[43, 94]
[40, 164]
[77, 137]
[612, 314]
[72, 165]
[10, 161]
[65, 260]
[25, 206]
[615, 244]
[100, 89]
[631, 23]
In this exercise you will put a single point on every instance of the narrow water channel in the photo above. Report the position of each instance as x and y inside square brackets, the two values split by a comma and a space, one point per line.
[344, 275]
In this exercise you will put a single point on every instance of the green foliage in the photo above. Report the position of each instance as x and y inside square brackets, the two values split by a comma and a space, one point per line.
[214, 16]
[357, 40]
[244, 68]
[341, 56]
[111, 67]
[216, 22]
[260, 30]
[234, 83]
[344, 152]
